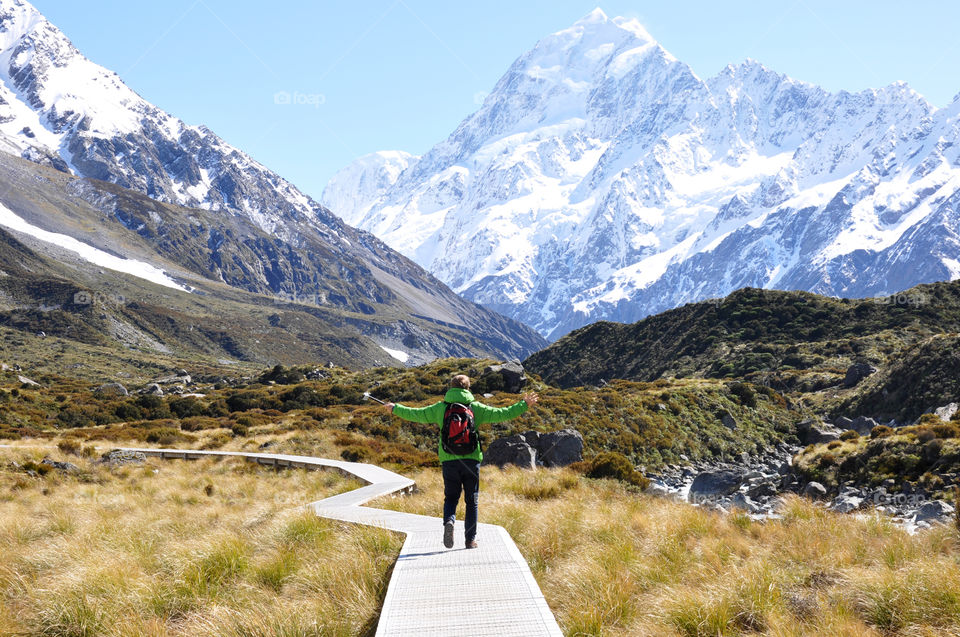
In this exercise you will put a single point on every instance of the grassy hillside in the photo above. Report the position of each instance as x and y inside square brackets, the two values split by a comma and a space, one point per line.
[650, 423]
[794, 342]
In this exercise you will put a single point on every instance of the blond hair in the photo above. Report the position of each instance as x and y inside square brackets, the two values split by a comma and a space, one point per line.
[461, 381]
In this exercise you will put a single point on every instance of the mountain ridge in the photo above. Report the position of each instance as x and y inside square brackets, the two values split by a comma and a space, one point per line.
[602, 179]
[166, 192]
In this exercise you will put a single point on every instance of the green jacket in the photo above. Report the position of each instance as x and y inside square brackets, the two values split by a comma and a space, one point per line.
[482, 415]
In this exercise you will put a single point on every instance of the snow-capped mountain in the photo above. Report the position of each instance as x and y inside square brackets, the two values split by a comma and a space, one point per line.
[240, 224]
[63, 109]
[603, 179]
[353, 189]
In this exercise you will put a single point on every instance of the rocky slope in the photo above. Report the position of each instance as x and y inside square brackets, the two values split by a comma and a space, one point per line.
[603, 179]
[179, 197]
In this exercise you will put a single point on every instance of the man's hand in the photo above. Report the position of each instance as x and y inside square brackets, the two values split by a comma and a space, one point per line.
[531, 399]
[388, 407]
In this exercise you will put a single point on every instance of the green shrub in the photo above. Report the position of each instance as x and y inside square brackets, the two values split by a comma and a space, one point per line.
[849, 434]
[880, 431]
[611, 464]
[164, 435]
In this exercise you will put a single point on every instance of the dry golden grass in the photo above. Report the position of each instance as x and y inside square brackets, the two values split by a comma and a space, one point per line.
[614, 562]
[182, 548]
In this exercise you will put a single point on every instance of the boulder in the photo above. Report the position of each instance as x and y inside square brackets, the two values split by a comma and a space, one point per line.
[813, 432]
[814, 490]
[512, 373]
[744, 503]
[863, 425]
[946, 412]
[857, 372]
[934, 511]
[111, 389]
[26, 381]
[846, 503]
[729, 421]
[65, 467]
[843, 423]
[715, 483]
[153, 389]
[559, 448]
[512, 450]
[175, 380]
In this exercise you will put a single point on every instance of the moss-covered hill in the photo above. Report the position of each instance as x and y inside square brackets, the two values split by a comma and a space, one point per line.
[795, 342]
[651, 423]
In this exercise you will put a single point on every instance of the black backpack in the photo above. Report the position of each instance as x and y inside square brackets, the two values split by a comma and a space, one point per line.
[458, 434]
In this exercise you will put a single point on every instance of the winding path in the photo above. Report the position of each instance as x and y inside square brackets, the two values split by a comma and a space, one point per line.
[433, 591]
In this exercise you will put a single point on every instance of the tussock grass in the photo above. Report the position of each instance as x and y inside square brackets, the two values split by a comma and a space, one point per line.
[612, 561]
[211, 547]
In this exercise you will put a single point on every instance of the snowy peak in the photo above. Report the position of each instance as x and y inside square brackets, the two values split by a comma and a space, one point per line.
[354, 188]
[602, 179]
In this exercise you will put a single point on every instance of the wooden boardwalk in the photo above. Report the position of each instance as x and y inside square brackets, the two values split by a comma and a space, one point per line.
[433, 591]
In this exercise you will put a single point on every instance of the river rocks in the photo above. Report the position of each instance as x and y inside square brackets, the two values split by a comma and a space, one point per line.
[744, 503]
[814, 490]
[846, 503]
[512, 450]
[111, 389]
[857, 372]
[715, 483]
[934, 511]
[512, 376]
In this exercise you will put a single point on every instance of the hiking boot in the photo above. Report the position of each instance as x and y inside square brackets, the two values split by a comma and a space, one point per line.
[448, 534]
[471, 544]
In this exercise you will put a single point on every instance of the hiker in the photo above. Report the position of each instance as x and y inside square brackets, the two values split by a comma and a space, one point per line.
[458, 416]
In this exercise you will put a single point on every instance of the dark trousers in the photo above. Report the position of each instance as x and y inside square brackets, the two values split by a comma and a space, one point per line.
[461, 476]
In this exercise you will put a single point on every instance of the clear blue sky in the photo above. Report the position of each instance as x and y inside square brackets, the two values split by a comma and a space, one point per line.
[401, 74]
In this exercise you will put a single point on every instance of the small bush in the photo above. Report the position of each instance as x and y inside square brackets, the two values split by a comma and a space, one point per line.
[880, 431]
[70, 446]
[356, 453]
[834, 444]
[611, 464]
[849, 434]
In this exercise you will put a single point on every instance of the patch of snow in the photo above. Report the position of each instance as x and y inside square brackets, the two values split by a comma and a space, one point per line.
[88, 253]
[400, 355]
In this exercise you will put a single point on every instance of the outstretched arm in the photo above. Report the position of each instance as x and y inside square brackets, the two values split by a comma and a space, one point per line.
[485, 414]
[426, 414]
